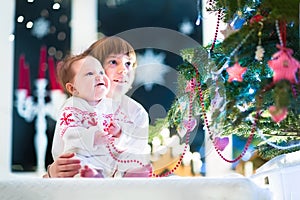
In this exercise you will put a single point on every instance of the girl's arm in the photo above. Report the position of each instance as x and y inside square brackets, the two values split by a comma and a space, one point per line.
[65, 166]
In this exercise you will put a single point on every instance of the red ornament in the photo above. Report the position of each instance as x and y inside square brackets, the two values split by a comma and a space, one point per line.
[257, 18]
[284, 65]
[236, 72]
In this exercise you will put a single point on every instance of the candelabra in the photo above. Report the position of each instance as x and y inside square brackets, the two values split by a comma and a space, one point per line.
[29, 109]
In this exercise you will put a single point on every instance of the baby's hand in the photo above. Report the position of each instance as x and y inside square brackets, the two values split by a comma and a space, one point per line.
[101, 138]
[114, 129]
[88, 172]
[144, 171]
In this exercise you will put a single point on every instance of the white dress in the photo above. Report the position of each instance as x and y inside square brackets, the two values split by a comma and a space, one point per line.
[134, 122]
[78, 122]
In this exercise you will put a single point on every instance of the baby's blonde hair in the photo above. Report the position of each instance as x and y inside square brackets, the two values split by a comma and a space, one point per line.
[65, 72]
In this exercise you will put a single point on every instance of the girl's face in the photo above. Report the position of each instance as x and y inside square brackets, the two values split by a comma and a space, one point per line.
[119, 69]
[90, 81]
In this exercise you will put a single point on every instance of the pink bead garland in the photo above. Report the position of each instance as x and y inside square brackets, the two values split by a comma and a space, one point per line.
[151, 174]
[216, 32]
[210, 133]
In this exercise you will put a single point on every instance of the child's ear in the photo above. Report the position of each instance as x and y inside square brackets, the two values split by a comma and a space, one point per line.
[70, 88]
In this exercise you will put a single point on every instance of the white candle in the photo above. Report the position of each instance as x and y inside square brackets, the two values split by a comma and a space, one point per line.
[248, 168]
[155, 144]
[197, 163]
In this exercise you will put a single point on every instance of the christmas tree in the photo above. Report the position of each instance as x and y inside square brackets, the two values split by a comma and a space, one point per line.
[247, 84]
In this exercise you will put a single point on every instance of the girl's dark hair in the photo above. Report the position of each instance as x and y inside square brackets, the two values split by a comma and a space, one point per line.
[102, 48]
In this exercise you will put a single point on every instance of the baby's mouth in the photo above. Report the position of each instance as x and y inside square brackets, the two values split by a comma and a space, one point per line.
[100, 84]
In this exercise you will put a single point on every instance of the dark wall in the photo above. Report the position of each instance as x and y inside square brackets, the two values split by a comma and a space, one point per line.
[28, 42]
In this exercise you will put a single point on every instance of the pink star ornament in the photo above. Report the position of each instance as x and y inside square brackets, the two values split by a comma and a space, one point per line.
[278, 114]
[236, 72]
[284, 65]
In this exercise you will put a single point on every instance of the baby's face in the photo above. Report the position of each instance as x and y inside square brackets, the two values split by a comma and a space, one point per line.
[119, 69]
[91, 82]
